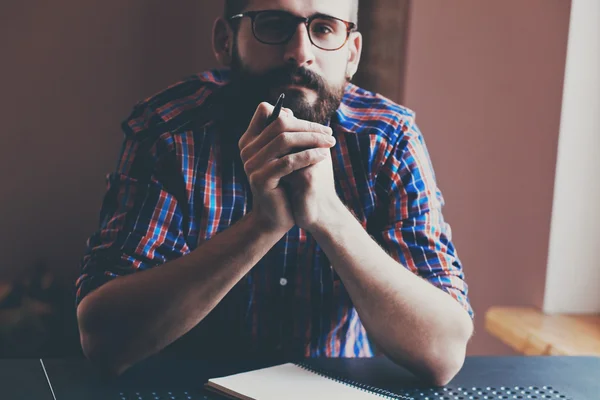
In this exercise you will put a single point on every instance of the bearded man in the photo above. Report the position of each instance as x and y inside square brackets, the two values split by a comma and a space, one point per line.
[317, 235]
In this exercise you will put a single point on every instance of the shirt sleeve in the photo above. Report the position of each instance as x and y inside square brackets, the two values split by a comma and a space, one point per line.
[414, 231]
[141, 218]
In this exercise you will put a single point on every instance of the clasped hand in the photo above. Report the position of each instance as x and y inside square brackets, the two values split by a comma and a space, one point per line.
[290, 171]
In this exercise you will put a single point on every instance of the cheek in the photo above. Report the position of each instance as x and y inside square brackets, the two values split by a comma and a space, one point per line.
[334, 65]
[257, 56]
[334, 70]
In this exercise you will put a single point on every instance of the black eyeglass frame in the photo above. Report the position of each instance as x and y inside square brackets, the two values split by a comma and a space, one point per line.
[350, 26]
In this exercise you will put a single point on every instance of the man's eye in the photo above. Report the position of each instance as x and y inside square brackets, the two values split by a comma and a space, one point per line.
[322, 29]
[272, 25]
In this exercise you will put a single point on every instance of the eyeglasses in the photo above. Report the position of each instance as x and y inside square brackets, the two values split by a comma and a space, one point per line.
[276, 27]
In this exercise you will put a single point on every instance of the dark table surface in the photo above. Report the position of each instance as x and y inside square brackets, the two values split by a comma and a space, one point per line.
[481, 378]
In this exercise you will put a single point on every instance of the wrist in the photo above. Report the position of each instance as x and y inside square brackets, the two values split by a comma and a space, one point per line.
[333, 216]
[263, 226]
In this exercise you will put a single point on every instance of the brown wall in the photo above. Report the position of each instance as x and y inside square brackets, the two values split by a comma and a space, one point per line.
[485, 79]
[70, 73]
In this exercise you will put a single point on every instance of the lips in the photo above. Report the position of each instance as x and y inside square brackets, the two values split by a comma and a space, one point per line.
[296, 85]
[299, 77]
[301, 83]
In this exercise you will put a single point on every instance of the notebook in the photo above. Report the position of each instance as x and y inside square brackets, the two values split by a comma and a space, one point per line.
[294, 382]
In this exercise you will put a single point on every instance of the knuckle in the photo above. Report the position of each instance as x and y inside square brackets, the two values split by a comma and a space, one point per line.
[244, 153]
[318, 154]
[253, 179]
[287, 163]
[283, 138]
[264, 107]
[303, 157]
[248, 167]
[314, 126]
[264, 104]
[280, 124]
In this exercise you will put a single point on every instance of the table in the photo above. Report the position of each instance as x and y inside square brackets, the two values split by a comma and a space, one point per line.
[531, 332]
[578, 378]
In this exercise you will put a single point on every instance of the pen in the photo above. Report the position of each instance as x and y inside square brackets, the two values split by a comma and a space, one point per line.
[277, 109]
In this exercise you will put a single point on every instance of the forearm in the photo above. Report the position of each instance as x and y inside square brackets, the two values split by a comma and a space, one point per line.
[137, 315]
[413, 322]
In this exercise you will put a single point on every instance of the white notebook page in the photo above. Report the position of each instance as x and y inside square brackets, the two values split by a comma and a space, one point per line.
[286, 381]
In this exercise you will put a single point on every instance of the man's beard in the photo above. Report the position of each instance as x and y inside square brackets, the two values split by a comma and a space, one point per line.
[248, 89]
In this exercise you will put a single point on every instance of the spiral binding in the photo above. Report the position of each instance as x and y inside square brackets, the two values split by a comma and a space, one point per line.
[384, 394]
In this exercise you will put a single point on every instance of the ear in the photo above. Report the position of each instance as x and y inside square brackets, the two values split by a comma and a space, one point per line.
[222, 41]
[355, 43]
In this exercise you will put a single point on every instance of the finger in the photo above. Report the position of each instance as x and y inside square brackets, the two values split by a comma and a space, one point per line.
[276, 128]
[302, 125]
[287, 143]
[257, 124]
[270, 175]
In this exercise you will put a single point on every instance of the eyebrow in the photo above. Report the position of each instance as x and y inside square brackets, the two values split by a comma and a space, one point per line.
[323, 16]
[315, 15]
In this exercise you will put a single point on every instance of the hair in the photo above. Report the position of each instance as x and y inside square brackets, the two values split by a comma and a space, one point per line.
[233, 7]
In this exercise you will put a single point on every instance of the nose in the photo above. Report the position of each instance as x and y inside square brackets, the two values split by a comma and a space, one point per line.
[299, 50]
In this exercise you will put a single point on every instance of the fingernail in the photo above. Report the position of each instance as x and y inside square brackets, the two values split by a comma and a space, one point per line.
[324, 152]
[330, 139]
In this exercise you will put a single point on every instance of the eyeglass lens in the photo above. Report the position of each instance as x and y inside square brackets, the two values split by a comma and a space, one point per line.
[277, 27]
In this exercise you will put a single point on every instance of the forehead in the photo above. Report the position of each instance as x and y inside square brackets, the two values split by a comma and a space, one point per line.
[305, 8]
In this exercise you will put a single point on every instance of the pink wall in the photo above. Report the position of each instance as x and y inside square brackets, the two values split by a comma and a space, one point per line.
[485, 79]
[70, 75]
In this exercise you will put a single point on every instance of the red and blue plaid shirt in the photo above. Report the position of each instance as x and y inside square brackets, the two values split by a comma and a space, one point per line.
[176, 185]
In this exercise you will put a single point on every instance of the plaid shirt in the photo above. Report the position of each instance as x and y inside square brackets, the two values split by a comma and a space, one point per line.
[177, 184]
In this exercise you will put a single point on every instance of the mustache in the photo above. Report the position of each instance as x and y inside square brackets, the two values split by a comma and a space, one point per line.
[294, 75]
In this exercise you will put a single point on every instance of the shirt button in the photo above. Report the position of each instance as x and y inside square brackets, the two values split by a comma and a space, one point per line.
[283, 282]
